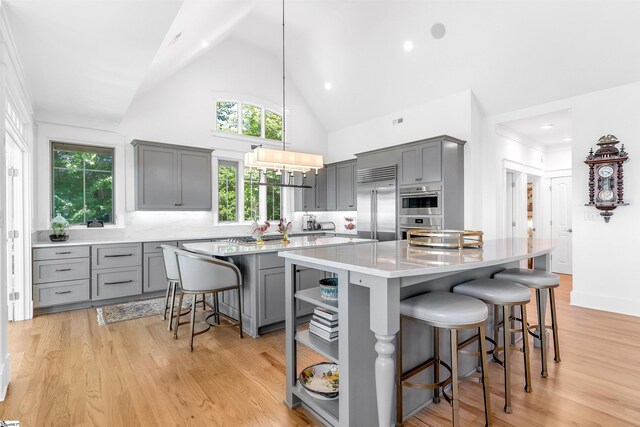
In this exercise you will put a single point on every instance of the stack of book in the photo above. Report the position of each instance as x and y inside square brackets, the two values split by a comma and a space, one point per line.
[324, 324]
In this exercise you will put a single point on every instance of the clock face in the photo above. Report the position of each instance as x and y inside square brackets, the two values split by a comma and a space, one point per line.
[605, 171]
[606, 195]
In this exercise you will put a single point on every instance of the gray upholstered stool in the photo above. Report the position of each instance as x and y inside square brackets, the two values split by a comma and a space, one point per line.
[503, 295]
[444, 310]
[540, 281]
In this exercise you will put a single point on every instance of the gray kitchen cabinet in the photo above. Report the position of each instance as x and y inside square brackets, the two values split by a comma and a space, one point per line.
[321, 190]
[154, 276]
[116, 282]
[309, 194]
[346, 186]
[421, 163]
[332, 188]
[271, 296]
[172, 177]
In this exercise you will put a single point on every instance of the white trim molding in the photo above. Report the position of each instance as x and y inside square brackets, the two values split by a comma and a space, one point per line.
[606, 303]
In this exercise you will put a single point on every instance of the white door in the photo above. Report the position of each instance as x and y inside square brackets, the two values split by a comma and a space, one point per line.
[561, 224]
[511, 215]
[14, 226]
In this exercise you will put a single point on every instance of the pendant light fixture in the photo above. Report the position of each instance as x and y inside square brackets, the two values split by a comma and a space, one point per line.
[282, 161]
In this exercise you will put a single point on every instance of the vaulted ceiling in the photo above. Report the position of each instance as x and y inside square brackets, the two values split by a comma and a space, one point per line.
[92, 57]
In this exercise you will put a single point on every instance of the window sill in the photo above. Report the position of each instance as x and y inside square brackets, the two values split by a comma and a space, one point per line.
[249, 139]
[106, 227]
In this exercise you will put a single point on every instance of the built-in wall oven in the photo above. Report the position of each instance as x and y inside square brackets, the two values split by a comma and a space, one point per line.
[421, 200]
[408, 223]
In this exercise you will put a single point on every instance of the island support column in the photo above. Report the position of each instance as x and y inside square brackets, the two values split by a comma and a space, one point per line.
[385, 323]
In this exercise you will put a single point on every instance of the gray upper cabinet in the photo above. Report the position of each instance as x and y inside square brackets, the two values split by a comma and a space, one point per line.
[421, 163]
[171, 177]
[321, 190]
[332, 188]
[309, 194]
[346, 186]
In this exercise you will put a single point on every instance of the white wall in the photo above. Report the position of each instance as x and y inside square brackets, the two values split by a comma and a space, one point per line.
[605, 267]
[180, 110]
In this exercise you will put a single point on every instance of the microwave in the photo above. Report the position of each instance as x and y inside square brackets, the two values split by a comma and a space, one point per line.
[421, 200]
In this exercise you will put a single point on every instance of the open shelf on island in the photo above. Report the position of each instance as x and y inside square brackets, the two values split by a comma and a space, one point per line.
[317, 344]
[312, 295]
[326, 409]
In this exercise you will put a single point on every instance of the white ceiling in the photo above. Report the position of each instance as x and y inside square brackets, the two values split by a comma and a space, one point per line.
[87, 58]
[511, 54]
[535, 129]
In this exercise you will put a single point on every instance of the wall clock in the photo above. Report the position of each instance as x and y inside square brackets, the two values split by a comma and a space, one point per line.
[606, 184]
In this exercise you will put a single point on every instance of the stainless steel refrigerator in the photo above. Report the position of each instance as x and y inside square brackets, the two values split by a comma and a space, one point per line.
[377, 203]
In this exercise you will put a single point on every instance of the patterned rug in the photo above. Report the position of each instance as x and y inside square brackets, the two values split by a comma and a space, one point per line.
[132, 310]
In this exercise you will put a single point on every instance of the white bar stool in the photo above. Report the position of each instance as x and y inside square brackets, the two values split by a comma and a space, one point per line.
[503, 295]
[540, 281]
[444, 310]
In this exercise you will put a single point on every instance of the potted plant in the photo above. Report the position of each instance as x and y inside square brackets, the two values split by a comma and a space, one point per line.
[59, 227]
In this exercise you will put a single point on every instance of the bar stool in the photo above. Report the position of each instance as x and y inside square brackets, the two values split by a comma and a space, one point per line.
[503, 295]
[204, 275]
[173, 283]
[540, 281]
[444, 310]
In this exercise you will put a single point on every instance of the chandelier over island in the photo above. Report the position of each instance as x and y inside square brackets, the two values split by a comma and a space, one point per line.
[282, 161]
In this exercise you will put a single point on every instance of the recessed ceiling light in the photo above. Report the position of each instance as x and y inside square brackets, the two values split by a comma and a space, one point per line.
[408, 46]
[438, 30]
[549, 126]
[328, 85]
[567, 139]
[204, 43]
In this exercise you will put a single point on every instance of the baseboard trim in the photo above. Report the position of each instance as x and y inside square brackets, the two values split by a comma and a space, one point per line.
[5, 374]
[606, 303]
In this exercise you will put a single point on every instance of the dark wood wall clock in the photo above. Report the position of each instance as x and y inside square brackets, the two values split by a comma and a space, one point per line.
[606, 184]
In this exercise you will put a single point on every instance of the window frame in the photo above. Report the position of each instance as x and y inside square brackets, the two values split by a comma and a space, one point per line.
[264, 107]
[52, 143]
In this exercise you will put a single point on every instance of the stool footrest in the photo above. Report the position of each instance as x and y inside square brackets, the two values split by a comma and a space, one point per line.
[425, 386]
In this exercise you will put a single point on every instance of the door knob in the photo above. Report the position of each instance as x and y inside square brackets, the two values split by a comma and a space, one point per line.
[569, 230]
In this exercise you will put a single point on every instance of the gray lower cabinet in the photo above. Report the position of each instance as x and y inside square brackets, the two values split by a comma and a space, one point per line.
[172, 177]
[116, 255]
[116, 283]
[61, 275]
[271, 296]
[154, 277]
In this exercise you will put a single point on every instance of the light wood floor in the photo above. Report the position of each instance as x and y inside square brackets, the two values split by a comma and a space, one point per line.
[69, 371]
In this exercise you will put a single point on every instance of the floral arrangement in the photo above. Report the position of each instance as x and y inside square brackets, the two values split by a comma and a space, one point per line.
[284, 228]
[59, 227]
[349, 224]
[258, 230]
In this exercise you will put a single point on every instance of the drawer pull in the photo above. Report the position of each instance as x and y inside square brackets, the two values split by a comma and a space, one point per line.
[64, 269]
[158, 247]
[65, 292]
[63, 253]
[118, 283]
[117, 255]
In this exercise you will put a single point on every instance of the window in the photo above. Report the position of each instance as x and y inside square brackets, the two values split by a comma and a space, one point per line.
[82, 178]
[227, 116]
[251, 194]
[251, 120]
[248, 119]
[227, 195]
[272, 125]
[273, 195]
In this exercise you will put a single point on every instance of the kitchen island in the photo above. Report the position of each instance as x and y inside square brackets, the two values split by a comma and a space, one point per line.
[372, 279]
[263, 277]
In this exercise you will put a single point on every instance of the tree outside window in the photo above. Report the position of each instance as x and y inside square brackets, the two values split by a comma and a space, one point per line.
[251, 194]
[227, 195]
[227, 116]
[82, 178]
[272, 125]
[273, 195]
[251, 120]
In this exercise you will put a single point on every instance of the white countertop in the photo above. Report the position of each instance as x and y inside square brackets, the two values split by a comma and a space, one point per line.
[398, 259]
[134, 239]
[295, 243]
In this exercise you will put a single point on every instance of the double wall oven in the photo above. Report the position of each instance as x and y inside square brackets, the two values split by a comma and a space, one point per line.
[420, 207]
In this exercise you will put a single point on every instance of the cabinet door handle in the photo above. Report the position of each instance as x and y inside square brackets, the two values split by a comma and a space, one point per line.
[118, 283]
[177, 204]
[64, 269]
[61, 293]
[63, 253]
[117, 255]
[350, 206]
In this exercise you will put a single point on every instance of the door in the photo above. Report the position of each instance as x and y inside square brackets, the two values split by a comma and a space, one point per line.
[157, 178]
[431, 163]
[561, 258]
[385, 212]
[511, 206]
[332, 188]
[195, 180]
[321, 190]
[346, 201]
[309, 194]
[14, 226]
[410, 172]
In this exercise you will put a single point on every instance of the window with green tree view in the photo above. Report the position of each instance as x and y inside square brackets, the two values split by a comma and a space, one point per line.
[227, 195]
[273, 195]
[82, 182]
[251, 194]
[248, 119]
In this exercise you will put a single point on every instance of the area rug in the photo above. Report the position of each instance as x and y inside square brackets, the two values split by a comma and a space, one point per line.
[132, 310]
